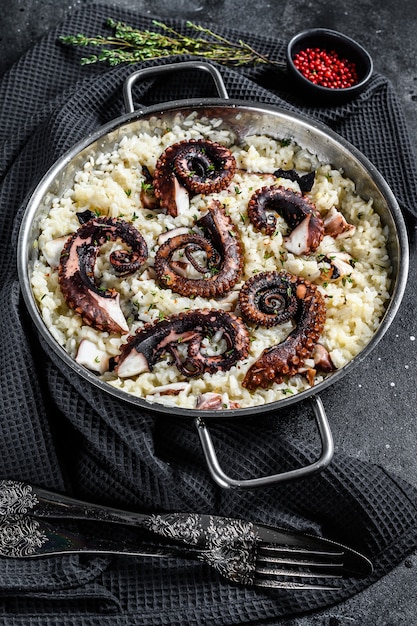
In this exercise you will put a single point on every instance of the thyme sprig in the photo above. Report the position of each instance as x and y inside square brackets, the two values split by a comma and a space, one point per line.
[130, 45]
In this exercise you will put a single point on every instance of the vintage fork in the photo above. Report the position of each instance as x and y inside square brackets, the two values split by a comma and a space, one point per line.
[239, 550]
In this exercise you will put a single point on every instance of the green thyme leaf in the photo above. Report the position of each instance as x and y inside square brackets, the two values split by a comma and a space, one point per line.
[131, 45]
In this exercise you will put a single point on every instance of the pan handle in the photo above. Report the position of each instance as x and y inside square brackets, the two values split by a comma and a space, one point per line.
[225, 481]
[148, 72]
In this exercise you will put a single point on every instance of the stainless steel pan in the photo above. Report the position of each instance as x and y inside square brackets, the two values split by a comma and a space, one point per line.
[243, 119]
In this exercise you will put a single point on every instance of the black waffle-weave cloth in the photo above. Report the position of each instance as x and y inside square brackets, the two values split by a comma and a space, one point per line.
[59, 432]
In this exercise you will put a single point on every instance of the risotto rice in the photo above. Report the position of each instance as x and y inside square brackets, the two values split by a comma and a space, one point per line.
[110, 184]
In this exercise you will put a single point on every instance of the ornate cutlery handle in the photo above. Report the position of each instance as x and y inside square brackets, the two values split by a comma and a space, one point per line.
[18, 498]
[23, 536]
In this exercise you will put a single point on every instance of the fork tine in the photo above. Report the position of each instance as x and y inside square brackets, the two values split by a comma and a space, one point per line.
[286, 584]
[318, 566]
[269, 571]
[275, 560]
[307, 558]
[271, 549]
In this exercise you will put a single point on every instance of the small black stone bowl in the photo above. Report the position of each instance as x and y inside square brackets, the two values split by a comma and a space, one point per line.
[346, 48]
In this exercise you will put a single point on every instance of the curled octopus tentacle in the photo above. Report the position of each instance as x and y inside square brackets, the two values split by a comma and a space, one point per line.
[224, 256]
[300, 214]
[268, 299]
[169, 336]
[97, 306]
[287, 357]
[198, 165]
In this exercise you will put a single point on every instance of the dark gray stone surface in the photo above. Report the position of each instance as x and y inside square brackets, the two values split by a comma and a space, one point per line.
[386, 28]
[373, 411]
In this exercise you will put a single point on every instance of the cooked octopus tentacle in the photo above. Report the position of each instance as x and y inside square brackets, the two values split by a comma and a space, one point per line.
[224, 256]
[294, 207]
[199, 165]
[97, 306]
[286, 358]
[144, 349]
[305, 181]
[268, 299]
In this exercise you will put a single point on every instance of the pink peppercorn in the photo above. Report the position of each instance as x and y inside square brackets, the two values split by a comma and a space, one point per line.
[326, 68]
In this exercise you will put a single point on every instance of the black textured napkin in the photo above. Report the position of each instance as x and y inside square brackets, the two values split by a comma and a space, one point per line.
[59, 432]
